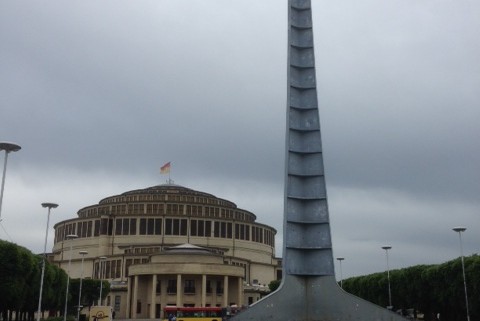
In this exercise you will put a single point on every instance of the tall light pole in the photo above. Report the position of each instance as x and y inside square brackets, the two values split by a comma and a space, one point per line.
[49, 206]
[8, 148]
[101, 264]
[340, 259]
[386, 248]
[459, 230]
[82, 253]
[70, 237]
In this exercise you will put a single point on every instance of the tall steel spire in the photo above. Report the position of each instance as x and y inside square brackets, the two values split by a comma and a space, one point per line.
[308, 290]
[308, 246]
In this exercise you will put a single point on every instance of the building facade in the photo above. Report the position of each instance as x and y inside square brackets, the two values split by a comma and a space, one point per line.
[169, 245]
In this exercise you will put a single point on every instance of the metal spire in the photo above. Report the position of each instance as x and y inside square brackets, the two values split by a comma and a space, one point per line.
[308, 290]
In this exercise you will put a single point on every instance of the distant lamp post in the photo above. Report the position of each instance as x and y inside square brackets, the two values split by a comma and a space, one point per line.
[79, 307]
[70, 237]
[8, 148]
[340, 259]
[459, 230]
[49, 206]
[101, 267]
[390, 306]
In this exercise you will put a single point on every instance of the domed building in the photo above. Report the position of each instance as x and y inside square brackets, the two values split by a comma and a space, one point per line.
[169, 245]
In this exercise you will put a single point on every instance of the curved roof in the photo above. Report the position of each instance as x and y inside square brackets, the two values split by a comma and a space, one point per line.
[170, 189]
[188, 248]
[165, 193]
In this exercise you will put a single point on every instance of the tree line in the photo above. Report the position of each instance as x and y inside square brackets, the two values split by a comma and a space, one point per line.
[20, 272]
[432, 290]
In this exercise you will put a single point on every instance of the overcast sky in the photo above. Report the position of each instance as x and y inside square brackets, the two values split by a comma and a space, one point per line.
[100, 94]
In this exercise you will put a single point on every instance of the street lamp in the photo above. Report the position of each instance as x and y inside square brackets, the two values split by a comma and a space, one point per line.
[70, 237]
[7, 147]
[386, 248]
[102, 259]
[340, 259]
[82, 253]
[459, 230]
[49, 206]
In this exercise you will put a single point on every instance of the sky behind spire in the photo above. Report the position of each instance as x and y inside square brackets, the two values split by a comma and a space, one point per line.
[101, 94]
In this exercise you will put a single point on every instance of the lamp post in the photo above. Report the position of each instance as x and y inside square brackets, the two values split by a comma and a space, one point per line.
[82, 253]
[340, 259]
[101, 266]
[49, 206]
[70, 237]
[386, 248]
[459, 230]
[7, 147]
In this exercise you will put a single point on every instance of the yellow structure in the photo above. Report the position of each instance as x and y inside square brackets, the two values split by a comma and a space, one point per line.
[100, 313]
[169, 245]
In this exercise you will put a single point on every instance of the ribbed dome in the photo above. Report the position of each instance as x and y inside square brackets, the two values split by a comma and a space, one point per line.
[167, 189]
[167, 199]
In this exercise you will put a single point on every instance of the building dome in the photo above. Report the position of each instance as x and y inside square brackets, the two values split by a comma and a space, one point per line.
[155, 243]
[160, 193]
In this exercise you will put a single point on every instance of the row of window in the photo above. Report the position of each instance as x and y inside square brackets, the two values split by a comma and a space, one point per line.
[167, 209]
[143, 250]
[171, 226]
[261, 235]
[188, 287]
[112, 269]
[166, 197]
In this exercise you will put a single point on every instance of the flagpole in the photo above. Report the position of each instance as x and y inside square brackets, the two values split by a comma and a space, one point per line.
[166, 169]
[169, 171]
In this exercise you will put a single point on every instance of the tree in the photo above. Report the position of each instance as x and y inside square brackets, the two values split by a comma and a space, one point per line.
[90, 291]
[16, 268]
[20, 272]
[430, 289]
[273, 285]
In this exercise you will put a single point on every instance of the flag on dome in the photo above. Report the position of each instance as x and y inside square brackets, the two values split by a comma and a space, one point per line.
[165, 169]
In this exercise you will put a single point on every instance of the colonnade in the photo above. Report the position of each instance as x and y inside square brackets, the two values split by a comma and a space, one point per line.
[152, 300]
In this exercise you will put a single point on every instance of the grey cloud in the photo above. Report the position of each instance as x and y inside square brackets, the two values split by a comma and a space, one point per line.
[101, 94]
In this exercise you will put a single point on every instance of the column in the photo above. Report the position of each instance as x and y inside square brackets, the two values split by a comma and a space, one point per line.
[129, 296]
[204, 290]
[225, 291]
[240, 292]
[135, 297]
[153, 299]
[179, 290]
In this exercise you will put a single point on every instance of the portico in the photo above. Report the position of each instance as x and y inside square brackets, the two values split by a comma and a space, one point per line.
[185, 275]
